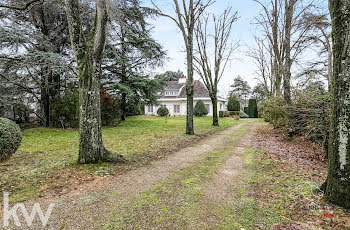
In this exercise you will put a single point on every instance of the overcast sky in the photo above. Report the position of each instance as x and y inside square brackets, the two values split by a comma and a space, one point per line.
[166, 33]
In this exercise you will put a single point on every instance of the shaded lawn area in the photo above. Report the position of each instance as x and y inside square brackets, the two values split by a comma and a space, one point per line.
[47, 158]
[284, 185]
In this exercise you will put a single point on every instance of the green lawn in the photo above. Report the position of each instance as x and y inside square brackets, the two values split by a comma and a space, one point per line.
[47, 158]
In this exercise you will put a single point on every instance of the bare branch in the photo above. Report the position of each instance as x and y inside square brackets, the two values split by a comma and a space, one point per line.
[26, 6]
[223, 49]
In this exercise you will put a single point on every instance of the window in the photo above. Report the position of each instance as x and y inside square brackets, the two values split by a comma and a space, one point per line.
[176, 108]
[170, 93]
[150, 108]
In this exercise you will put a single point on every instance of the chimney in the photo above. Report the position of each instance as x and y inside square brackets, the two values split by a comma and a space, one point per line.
[182, 80]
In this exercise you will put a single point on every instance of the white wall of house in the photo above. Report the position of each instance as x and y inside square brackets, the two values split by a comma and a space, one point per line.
[179, 107]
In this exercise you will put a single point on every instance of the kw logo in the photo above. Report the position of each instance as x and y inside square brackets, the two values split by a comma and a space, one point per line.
[12, 213]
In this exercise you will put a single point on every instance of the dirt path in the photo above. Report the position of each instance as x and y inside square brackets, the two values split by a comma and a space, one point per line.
[218, 188]
[218, 191]
[97, 203]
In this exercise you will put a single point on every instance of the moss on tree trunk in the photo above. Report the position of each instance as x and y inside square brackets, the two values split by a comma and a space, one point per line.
[91, 148]
[338, 181]
[89, 55]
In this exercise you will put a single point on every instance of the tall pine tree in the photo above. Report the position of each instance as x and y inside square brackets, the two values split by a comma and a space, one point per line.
[130, 51]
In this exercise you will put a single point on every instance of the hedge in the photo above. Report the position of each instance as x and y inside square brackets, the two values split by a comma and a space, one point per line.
[253, 109]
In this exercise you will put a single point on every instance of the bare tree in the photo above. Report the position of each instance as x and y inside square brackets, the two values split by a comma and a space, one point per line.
[186, 17]
[295, 32]
[284, 26]
[262, 54]
[271, 22]
[211, 73]
[320, 24]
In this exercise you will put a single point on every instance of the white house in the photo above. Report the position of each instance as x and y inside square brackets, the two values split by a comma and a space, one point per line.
[174, 98]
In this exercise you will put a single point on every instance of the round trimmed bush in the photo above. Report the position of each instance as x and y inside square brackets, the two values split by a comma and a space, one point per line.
[200, 109]
[10, 138]
[163, 111]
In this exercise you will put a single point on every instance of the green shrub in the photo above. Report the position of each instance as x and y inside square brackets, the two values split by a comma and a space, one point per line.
[10, 138]
[221, 113]
[274, 111]
[19, 112]
[245, 110]
[233, 104]
[110, 110]
[22, 113]
[309, 115]
[64, 112]
[200, 109]
[133, 108]
[163, 111]
[253, 109]
[243, 115]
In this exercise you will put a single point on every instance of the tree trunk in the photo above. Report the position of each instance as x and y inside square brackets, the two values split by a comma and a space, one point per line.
[214, 101]
[338, 181]
[89, 57]
[45, 99]
[123, 77]
[123, 107]
[278, 79]
[289, 5]
[276, 50]
[189, 85]
[91, 149]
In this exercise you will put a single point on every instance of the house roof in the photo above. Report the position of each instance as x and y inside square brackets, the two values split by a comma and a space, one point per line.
[174, 85]
[200, 90]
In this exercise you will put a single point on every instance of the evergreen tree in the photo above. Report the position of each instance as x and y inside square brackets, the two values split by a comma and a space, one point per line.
[170, 76]
[130, 51]
[240, 88]
[233, 103]
[200, 109]
[35, 56]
